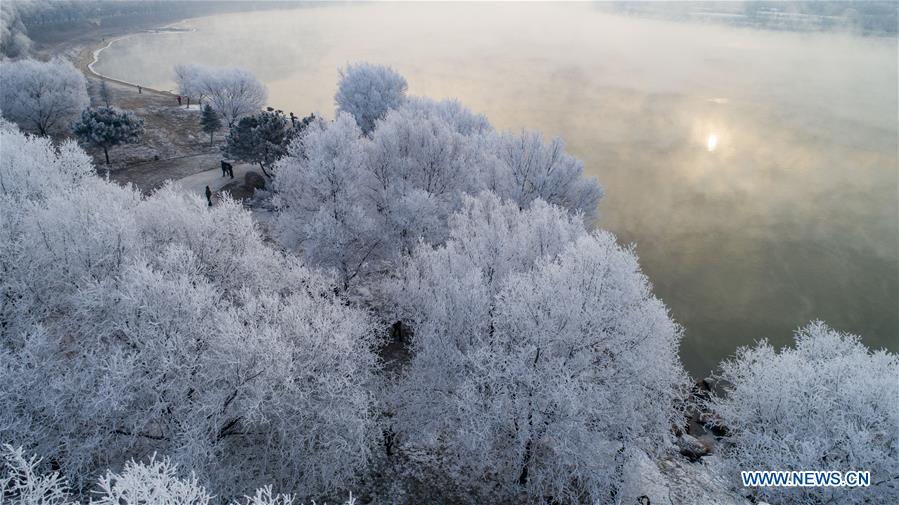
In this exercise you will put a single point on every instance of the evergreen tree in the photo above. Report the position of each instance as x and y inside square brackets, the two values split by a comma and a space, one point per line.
[262, 139]
[210, 121]
[106, 127]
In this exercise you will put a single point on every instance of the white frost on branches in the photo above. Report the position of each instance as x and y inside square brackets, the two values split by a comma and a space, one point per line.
[530, 168]
[367, 92]
[157, 481]
[42, 97]
[826, 403]
[359, 203]
[541, 367]
[22, 482]
[106, 127]
[541, 360]
[32, 167]
[232, 92]
[134, 325]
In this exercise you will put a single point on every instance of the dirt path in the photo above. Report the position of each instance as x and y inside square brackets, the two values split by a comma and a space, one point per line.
[173, 145]
[152, 174]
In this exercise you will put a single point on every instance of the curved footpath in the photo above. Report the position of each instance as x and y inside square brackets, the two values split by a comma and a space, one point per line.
[90, 56]
[173, 147]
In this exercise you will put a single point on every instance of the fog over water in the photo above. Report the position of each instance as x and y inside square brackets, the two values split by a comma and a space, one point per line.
[755, 171]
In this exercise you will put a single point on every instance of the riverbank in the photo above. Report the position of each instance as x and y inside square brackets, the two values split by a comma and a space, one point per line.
[173, 145]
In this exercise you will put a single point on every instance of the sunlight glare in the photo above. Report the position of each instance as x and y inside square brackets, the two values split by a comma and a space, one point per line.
[712, 142]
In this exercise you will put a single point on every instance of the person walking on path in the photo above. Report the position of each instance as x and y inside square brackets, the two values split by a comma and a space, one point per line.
[209, 196]
[139, 90]
[224, 168]
[179, 100]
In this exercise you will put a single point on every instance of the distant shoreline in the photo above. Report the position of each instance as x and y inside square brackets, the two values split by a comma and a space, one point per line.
[95, 54]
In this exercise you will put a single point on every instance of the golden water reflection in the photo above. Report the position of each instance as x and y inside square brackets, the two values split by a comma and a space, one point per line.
[755, 171]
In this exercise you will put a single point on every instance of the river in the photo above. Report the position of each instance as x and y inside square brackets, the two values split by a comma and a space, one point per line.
[755, 171]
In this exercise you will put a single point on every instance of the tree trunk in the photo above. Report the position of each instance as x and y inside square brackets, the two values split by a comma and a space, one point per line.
[529, 445]
[523, 476]
[210, 137]
[263, 170]
[106, 152]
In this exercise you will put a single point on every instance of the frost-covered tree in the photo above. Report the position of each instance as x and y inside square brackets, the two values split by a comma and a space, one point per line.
[301, 123]
[32, 167]
[321, 208]
[418, 169]
[23, 483]
[158, 481]
[42, 97]
[155, 481]
[414, 170]
[107, 127]
[210, 122]
[131, 325]
[368, 92]
[451, 112]
[105, 94]
[541, 360]
[192, 80]
[14, 41]
[529, 169]
[261, 138]
[401, 185]
[232, 92]
[826, 403]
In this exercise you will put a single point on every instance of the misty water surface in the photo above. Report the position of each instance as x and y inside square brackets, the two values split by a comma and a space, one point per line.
[755, 171]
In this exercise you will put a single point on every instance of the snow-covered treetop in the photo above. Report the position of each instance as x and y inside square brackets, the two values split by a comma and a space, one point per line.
[541, 359]
[42, 97]
[367, 92]
[155, 481]
[825, 403]
[380, 191]
[132, 325]
[232, 92]
[32, 167]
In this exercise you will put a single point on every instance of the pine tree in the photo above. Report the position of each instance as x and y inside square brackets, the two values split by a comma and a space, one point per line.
[106, 127]
[210, 121]
[262, 138]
